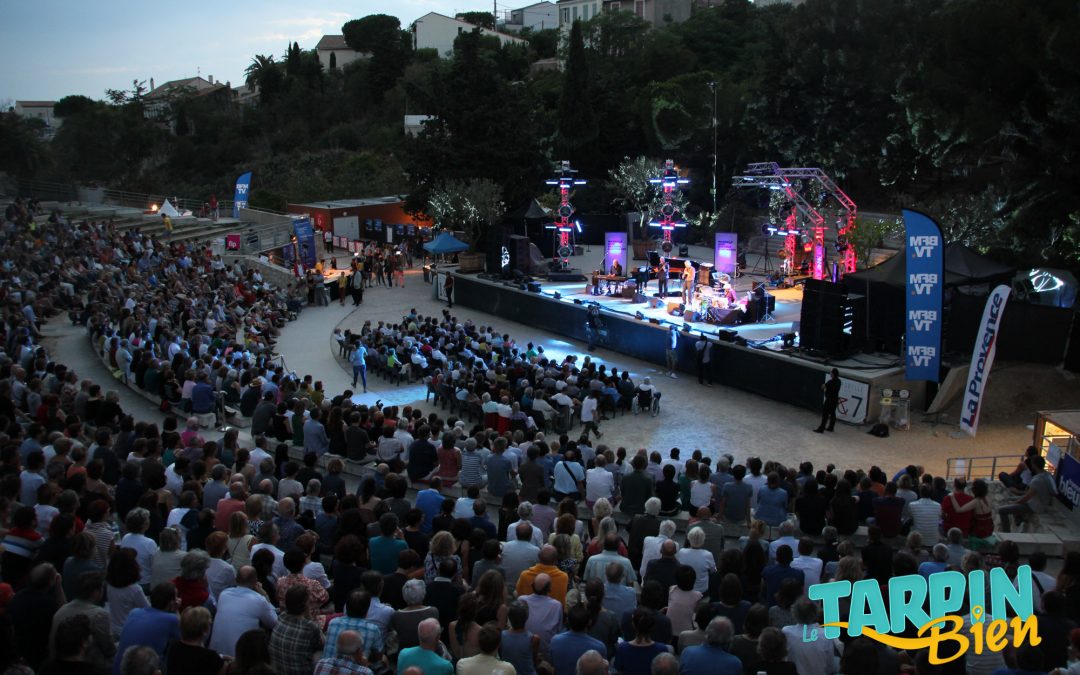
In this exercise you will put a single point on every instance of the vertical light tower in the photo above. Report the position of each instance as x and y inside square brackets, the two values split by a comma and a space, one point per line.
[562, 225]
[669, 216]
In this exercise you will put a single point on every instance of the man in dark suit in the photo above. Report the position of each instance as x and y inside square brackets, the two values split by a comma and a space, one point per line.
[443, 594]
[641, 526]
[775, 574]
[662, 569]
[832, 399]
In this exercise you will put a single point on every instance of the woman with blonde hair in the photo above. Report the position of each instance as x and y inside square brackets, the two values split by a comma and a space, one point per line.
[600, 510]
[566, 524]
[442, 546]
[240, 540]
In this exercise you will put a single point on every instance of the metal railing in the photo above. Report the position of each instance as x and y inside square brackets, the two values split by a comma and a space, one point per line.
[144, 200]
[987, 468]
[47, 190]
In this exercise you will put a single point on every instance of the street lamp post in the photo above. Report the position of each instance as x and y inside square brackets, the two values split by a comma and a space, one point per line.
[712, 87]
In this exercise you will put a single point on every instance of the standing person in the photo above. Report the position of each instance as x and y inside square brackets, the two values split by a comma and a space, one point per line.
[662, 277]
[215, 213]
[168, 224]
[704, 360]
[832, 399]
[358, 359]
[356, 283]
[448, 288]
[687, 283]
[590, 414]
[672, 354]
[342, 287]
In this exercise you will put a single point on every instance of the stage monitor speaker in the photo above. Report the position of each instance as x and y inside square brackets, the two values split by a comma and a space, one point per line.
[518, 247]
[724, 317]
[673, 307]
[726, 335]
[638, 297]
[684, 251]
[566, 275]
[534, 287]
[654, 258]
[825, 311]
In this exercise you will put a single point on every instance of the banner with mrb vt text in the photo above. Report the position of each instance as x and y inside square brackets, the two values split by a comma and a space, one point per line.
[924, 252]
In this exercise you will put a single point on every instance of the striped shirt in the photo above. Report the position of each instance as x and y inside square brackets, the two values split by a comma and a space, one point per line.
[23, 543]
[472, 464]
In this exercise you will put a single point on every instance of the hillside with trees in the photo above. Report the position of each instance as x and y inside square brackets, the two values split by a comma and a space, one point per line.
[967, 109]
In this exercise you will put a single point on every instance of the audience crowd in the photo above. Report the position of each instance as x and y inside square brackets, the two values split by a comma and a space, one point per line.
[483, 539]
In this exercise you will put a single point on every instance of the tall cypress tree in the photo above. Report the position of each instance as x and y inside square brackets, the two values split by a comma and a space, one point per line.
[577, 126]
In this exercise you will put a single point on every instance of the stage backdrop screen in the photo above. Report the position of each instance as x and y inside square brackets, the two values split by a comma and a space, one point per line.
[725, 253]
[614, 249]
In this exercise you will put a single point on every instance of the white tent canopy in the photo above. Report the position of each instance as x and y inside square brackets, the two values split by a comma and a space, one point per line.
[169, 210]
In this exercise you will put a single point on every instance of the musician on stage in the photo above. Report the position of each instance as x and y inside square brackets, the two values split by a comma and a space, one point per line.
[662, 277]
[688, 282]
[596, 282]
[616, 269]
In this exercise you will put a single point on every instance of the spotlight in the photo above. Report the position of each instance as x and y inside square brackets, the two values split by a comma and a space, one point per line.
[655, 321]
[639, 316]
[789, 340]
[558, 295]
[577, 301]
[686, 327]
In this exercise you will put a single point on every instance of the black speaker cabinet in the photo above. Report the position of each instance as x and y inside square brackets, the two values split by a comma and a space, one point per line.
[518, 248]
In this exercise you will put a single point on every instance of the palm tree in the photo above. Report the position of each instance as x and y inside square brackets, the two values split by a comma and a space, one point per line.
[258, 67]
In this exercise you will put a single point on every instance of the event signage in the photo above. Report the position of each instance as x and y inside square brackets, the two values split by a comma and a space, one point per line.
[615, 249]
[232, 242]
[240, 198]
[305, 241]
[925, 256]
[1068, 476]
[851, 406]
[982, 358]
[1001, 612]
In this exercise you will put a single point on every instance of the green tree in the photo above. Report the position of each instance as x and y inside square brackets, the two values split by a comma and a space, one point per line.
[389, 46]
[258, 67]
[21, 151]
[577, 127]
[630, 180]
[482, 19]
[471, 206]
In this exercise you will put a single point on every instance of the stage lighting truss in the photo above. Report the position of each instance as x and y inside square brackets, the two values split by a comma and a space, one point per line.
[669, 218]
[563, 227]
[771, 176]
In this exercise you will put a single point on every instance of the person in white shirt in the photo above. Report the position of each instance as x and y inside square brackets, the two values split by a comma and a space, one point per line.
[220, 575]
[525, 511]
[650, 548]
[599, 482]
[136, 523]
[240, 609]
[925, 516]
[787, 538]
[590, 415]
[699, 558]
[809, 564]
[811, 657]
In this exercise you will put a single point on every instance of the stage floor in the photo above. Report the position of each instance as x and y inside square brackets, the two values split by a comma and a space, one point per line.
[761, 335]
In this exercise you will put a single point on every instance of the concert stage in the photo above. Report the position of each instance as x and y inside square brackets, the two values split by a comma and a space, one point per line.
[760, 365]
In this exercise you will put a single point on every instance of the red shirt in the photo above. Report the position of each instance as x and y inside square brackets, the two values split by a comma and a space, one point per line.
[951, 519]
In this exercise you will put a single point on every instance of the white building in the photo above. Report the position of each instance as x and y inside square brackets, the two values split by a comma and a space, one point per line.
[537, 16]
[437, 31]
[343, 54]
[658, 13]
[414, 124]
[38, 110]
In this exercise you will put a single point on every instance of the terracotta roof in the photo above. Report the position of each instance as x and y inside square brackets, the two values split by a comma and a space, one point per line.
[329, 42]
[35, 104]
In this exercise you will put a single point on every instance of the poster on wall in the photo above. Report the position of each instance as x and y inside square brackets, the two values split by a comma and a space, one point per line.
[355, 247]
[852, 405]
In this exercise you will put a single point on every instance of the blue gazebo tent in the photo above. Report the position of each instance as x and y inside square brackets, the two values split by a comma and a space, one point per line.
[445, 243]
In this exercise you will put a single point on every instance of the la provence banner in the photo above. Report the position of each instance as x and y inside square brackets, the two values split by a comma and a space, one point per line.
[925, 255]
[982, 358]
